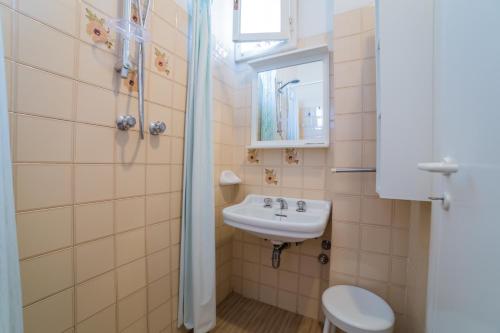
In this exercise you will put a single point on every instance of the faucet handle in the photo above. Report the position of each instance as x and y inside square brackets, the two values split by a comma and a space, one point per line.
[301, 206]
[268, 203]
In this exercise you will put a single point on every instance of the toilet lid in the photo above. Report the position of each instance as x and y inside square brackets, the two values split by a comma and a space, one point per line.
[358, 308]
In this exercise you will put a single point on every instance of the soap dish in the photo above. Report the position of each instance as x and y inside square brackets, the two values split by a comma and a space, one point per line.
[227, 177]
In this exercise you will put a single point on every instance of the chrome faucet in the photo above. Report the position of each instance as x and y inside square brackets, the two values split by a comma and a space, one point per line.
[283, 203]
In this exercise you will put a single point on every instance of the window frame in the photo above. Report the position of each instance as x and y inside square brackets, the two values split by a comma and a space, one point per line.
[283, 35]
[286, 45]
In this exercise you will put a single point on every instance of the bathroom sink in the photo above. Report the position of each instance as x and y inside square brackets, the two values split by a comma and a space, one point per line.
[276, 224]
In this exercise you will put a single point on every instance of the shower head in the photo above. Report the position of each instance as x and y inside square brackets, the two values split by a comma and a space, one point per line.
[294, 81]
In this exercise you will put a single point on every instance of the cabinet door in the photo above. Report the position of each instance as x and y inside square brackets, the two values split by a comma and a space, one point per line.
[404, 97]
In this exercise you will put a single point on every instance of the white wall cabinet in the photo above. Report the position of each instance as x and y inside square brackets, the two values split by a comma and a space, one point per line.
[404, 42]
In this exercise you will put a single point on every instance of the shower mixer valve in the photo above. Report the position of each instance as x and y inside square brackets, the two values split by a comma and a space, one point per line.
[124, 123]
[157, 127]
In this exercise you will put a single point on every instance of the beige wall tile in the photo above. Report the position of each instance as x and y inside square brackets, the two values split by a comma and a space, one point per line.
[163, 33]
[95, 66]
[347, 48]
[94, 258]
[345, 261]
[157, 208]
[129, 147]
[130, 213]
[348, 154]
[400, 239]
[159, 292]
[175, 204]
[95, 105]
[43, 185]
[161, 90]
[398, 270]
[131, 308]
[43, 231]
[102, 322]
[53, 314]
[93, 182]
[130, 245]
[131, 277]
[43, 140]
[314, 178]
[59, 14]
[157, 179]
[6, 16]
[42, 93]
[351, 73]
[176, 174]
[94, 144]
[348, 127]
[374, 266]
[93, 221]
[347, 23]
[177, 151]
[56, 53]
[346, 208]
[251, 271]
[308, 307]
[377, 239]
[268, 295]
[376, 211]
[160, 318]
[348, 100]
[287, 300]
[288, 281]
[129, 180]
[95, 295]
[346, 234]
[46, 275]
[157, 237]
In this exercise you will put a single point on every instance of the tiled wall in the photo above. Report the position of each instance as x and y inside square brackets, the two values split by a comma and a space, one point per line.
[370, 235]
[98, 210]
[298, 284]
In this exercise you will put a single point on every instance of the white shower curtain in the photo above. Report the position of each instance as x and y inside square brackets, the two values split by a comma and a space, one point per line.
[197, 271]
[11, 316]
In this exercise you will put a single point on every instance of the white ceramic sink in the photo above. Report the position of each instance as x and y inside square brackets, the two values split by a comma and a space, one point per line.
[275, 224]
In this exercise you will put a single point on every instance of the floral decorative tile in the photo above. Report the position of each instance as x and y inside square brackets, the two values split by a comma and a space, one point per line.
[252, 156]
[97, 29]
[130, 82]
[161, 62]
[271, 177]
[291, 156]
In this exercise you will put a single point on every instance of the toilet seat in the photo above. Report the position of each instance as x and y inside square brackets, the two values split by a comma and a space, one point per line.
[356, 310]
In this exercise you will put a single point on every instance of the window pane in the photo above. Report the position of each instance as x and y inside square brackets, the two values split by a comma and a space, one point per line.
[260, 16]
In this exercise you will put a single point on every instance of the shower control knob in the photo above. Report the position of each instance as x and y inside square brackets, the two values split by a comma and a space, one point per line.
[157, 127]
[124, 123]
[323, 259]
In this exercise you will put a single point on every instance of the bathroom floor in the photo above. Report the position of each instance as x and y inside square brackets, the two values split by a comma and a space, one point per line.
[239, 314]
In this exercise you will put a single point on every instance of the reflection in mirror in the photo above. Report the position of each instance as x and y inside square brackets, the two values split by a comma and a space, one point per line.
[290, 103]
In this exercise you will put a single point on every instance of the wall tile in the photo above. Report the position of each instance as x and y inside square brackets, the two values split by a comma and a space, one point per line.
[43, 185]
[374, 266]
[93, 182]
[56, 53]
[129, 180]
[130, 213]
[376, 211]
[53, 314]
[102, 322]
[157, 237]
[159, 292]
[94, 258]
[131, 308]
[59, 14]
[348, 23]
[131, 277]
[346, 234]
[42, 93]
[95, 295]
[43, 140]
[95, 105]
[157, 179]
[93, 221]
[158, 264]
[377, 239]
[94, 144]
[130, 245]
[43, 231]
[157, 208]
[53, 272]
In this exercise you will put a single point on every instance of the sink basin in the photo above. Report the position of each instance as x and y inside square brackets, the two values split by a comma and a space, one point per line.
[287, 225]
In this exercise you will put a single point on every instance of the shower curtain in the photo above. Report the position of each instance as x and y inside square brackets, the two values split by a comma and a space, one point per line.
[11, 316]
[197, 272]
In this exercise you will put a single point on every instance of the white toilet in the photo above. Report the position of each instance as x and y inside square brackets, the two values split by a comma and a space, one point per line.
[356, 310]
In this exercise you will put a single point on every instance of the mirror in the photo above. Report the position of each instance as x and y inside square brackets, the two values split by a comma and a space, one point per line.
[290, 100]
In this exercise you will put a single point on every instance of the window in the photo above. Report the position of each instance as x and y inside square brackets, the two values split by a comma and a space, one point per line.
[262, 27]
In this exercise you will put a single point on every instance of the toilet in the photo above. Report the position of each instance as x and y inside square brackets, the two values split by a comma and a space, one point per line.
[356, 310]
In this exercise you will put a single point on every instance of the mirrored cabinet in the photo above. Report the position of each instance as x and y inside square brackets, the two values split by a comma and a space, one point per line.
[290, 100]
